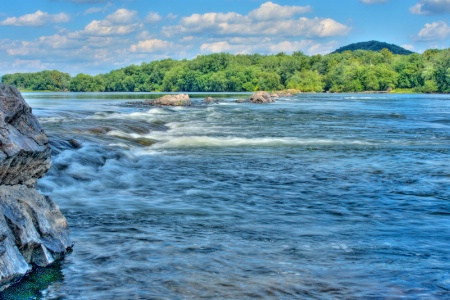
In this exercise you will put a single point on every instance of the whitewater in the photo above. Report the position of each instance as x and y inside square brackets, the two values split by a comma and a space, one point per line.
[316, 196]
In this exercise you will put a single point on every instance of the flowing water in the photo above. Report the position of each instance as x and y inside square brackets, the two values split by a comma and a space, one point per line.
[312, 197]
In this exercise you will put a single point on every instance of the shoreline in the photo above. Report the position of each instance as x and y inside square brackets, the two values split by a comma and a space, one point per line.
[393, 92]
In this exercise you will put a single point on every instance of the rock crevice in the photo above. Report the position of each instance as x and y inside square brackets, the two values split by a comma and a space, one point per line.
[32, 229]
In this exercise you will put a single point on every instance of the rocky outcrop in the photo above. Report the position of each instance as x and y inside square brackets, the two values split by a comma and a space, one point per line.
[32, 229]
[173, 100]
[261, 97]
[25, 154]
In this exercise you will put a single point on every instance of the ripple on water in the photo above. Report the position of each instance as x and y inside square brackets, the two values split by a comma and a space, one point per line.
[317, 196]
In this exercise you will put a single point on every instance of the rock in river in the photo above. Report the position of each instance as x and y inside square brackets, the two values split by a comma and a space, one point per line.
[32, 229]
[167, 100]
[173, 100]
[261, 97]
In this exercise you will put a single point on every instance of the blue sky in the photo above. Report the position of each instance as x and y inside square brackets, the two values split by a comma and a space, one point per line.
[96, 36]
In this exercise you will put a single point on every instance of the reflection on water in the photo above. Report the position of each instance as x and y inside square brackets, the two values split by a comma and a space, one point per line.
[315, 196]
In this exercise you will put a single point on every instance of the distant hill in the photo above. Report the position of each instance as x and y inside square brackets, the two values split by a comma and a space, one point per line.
[374, 46]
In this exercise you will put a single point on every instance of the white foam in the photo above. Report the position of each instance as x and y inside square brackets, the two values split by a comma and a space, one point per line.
[178, 128]
[122, 134]
[43, 120]
[197, 135]
[364, 97]
[144, 151]
[207, 141]
[150, 115]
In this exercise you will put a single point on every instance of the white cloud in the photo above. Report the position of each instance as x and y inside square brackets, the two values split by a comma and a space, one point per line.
[373, 1]
[257, 23]
[92, 10]
[408, 47]
[270, 11]
[222, 46]
[267, 46]
[434, 31]
[153, 17]
[30, 63]
[153, 45]
[171, 16]
[43, 45]
[316, 27]
[188, 38]
[144, 35]
[307, 46]
[102, 28]
[431, 7]
[209, 22]
[73, 52]
[39, 18]
[118, 23]
[122, 16]
[101, 46]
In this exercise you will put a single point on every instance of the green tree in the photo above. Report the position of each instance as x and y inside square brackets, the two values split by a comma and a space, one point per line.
[87, 83]
[409, 69]
[442, 71]
[306, 81]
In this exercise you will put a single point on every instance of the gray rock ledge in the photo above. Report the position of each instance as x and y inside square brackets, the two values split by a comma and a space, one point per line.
[32, 229]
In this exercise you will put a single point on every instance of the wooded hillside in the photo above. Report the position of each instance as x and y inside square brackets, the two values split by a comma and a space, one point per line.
[374, 46]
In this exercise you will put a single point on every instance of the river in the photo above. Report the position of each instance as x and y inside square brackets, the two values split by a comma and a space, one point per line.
[317, 196]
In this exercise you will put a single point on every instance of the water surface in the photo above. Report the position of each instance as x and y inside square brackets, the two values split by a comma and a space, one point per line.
[315, 196]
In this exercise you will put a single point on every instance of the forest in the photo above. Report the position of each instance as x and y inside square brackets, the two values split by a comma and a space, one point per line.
[349, 71]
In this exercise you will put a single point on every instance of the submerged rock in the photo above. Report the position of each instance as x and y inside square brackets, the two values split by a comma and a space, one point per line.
[241, 100]
[261, 97]
[32, 229]
[99, 130]
[75, 144]
[210, 100]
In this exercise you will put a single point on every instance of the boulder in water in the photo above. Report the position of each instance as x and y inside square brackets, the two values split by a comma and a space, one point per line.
[173, 100]
[261, 97]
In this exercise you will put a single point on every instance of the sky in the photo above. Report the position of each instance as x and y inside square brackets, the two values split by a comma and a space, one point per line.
[97, 36]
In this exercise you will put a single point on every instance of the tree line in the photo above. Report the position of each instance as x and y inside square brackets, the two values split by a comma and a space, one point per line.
[349, 71]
